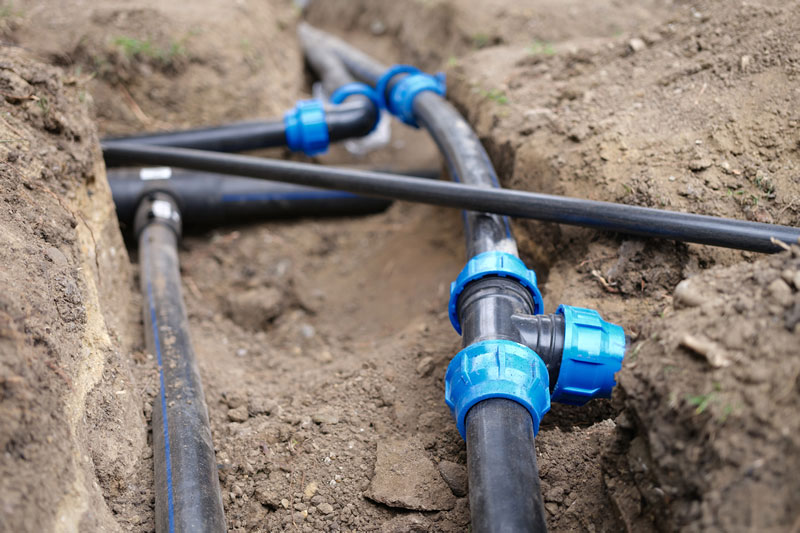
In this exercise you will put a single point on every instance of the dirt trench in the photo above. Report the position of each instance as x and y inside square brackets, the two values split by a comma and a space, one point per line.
[323, 343]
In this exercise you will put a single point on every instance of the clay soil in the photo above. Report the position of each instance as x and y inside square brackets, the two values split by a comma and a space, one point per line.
[323, 344]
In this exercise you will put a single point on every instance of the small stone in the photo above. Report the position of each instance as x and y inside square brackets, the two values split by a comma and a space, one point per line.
[636, 45]
[455, 475]
[310, 490]
[325, 418]
[425, 366]
[781, 292]
[307, 331]
[552, 508]
[377, 27]
[234, 399]
[268, 498]
[263, 406]
[325, 508]
[239, 414]
[555, 495]
[285, 503]
[686, 294]
[702, 163]
[744, 63]
[323, 356]
[710, 350]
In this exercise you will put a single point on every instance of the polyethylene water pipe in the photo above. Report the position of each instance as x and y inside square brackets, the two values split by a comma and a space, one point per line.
[186, 480]
[207, 200]
[498, 387]
[622, 218]
[309, 127]
[495, 387]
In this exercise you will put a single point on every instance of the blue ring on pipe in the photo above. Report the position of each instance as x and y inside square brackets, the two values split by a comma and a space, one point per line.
[493, 263]
[345, 91]
[497, 369]
[306, 129]
[402, 95]
[391, 72]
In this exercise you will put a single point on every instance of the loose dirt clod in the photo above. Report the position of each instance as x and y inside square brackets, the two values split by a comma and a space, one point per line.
[406, 477]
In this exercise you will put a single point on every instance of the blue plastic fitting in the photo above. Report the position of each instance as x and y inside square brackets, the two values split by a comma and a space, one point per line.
[593, 352]
[306, 129]
[493, 263]
[345, 91]
[400, 101]
[497, 369]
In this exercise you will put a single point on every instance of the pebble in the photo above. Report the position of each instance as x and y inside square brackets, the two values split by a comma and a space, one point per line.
[239, 414]
[686, 294]
[636, 45]
[781, 292]
[310, 490]
[744, 62]
[307, 331]
[710, 350]
[325, 508]
[325, 418]
[791, 278]
[555, 495]
[425, 366]
[263, 406]
[699, 164]
[455, 475]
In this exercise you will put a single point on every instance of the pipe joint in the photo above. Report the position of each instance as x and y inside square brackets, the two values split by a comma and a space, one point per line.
[592, 354]
[345, 91]
[306, 128]
[493, 263]
[400, 98]
[158, 207]
[497, 369]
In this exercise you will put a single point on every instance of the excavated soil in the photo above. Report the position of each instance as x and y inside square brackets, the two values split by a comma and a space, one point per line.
[323, 343]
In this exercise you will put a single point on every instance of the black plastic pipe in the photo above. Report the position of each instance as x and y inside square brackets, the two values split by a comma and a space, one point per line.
[352, 118]
[504, 486]
[207, 200]
[504, 491]
[629, 219]
[238, 137]
[186, 479]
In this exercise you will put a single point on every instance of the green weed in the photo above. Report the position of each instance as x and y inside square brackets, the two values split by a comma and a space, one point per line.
[132, 47]
[541, 48]
[496, 95]
[480, 40]
[701, 402]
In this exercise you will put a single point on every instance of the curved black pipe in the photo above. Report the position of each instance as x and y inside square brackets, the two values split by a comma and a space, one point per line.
[501, 456]
[634, 220]
[207, 200]
[187, 483]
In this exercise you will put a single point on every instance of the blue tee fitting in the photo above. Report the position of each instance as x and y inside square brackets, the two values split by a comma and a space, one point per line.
[306, 129]
[493, 263]
[593, 352]
[345, 91]
[497, 369]
[400, 100]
